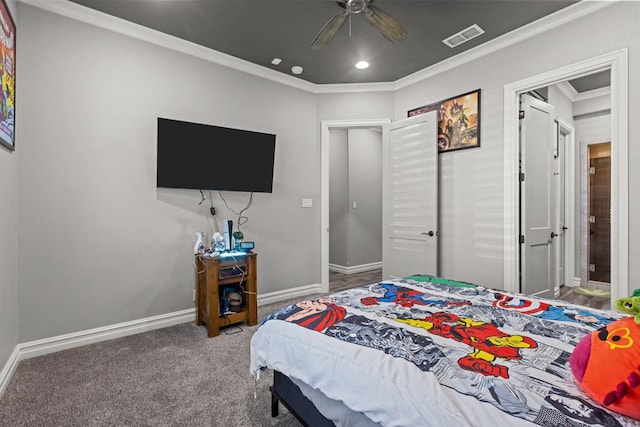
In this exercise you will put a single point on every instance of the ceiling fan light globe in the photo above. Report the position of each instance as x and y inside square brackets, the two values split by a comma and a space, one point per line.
[356, 6]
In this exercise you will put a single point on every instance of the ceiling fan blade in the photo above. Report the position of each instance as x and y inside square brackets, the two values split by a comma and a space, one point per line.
[385, 24]
[330, 29]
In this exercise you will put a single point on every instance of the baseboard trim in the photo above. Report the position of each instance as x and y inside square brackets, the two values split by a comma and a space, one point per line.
[599, 285]
[355, 268]
[284, 294]
[576, 282]
[77, 339]
[9, 369]
[90, 336]
[44, 346]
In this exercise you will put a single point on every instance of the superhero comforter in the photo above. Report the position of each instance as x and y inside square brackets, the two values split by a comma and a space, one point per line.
[429, 351]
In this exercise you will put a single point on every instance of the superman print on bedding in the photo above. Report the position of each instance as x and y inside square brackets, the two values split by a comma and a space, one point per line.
[316, 314]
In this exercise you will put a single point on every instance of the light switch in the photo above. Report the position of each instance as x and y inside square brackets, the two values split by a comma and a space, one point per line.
[307, 203]
[355, 204]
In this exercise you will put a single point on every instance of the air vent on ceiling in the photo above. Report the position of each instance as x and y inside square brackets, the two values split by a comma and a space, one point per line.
[463, 36]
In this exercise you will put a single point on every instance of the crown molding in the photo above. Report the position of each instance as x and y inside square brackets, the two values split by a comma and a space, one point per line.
[543, 24]
[575, 96]
[108, 22]
[603, 91]
[117, 25]
[567, 90]
[355, 87]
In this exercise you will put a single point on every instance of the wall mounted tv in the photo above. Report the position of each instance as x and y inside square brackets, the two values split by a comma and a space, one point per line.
[205, 157]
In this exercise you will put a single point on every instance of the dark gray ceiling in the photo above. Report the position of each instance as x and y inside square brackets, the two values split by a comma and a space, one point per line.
[259, 30]
[592, 81]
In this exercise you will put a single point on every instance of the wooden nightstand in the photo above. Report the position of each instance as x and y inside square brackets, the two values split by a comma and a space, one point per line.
[217, 273]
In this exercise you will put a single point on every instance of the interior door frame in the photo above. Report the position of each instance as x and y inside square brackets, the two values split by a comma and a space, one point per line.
[569, 199]
[617, 63]
[326, 126]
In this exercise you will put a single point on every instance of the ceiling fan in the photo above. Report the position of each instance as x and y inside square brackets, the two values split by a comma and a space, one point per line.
[381, 20]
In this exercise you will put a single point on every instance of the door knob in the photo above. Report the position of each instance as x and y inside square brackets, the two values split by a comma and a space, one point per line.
[430, 233]
[565, 228]
[553, 235]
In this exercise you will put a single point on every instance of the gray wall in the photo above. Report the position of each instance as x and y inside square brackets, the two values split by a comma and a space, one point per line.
[338, 197]
[354, 106]
[98, 244]
[9, 235]
[472, 180]
[563, 105]
[355, 175]
[365, 188]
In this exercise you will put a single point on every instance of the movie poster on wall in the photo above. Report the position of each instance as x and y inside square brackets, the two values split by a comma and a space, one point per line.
[458, 121]
[8, 77]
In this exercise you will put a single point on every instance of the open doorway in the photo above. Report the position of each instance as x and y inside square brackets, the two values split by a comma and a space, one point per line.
[327, 127]
[355, 207]
[616, 63]
[547, 187]
[598, 224]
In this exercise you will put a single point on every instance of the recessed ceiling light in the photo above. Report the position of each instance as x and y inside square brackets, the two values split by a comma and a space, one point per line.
[362, 65]
[296, 69]
[276, 61]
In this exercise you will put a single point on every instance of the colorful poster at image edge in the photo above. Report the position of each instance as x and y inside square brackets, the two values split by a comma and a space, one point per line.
[458, 121]
[7, 76]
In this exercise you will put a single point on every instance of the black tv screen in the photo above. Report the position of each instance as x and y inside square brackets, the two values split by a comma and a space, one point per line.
[206, 157]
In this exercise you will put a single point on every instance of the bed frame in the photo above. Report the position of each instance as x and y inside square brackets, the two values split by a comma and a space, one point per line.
[285, 391]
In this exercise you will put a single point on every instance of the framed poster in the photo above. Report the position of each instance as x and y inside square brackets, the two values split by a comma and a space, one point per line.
[458, 121]
[8, 78]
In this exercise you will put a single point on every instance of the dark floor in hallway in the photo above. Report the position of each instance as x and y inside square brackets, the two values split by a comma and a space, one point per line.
[567, 293]
[340, 281]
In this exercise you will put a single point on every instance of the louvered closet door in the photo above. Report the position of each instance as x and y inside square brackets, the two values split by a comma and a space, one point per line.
[410, 197]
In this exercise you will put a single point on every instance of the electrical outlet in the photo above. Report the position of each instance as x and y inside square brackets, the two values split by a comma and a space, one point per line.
[194, 295]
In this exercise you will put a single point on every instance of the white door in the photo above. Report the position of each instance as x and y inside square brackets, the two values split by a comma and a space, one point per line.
[538, 216]
[410, 197]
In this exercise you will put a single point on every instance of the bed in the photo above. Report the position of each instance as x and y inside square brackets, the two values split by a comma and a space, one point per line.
[427, 351]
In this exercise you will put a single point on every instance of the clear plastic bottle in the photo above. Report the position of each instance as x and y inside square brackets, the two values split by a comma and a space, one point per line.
[199, 248]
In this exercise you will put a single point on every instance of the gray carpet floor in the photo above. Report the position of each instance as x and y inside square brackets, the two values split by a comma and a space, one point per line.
[174, 376]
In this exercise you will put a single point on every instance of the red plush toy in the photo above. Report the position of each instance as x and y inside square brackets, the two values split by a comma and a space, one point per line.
[606, 363]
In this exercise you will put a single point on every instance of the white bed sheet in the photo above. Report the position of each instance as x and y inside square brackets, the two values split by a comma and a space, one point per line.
[385, 391]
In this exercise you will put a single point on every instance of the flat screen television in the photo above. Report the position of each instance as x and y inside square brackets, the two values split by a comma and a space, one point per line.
[206, 157]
